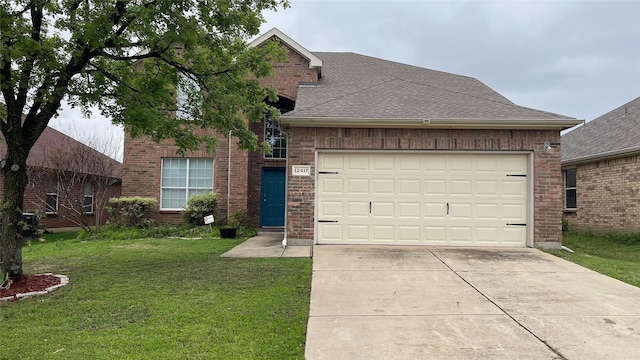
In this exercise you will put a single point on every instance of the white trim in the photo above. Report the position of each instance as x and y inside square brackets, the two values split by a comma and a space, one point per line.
[314, 61]
[426, 123]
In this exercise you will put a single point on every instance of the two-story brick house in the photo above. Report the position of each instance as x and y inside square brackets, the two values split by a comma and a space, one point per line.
[370, 151]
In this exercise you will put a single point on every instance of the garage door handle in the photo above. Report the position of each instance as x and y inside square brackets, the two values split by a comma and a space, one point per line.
[369, 207]
[447, 208]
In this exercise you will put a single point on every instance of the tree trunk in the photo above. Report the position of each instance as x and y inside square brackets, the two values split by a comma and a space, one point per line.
[15, 183]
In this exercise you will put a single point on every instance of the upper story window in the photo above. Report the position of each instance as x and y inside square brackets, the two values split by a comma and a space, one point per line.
[186, 106]
[276, 139]
[183, 177]
[570, 194]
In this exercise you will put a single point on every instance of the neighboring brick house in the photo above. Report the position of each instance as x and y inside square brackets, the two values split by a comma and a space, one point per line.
[370, 151]
[601, 166]
[64, 175]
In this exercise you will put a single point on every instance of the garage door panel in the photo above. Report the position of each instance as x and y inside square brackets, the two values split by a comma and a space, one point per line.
[436, 187]
[409, 234]
[357, 209]
[409, 210]
[356, 186]
[331, 209]
[409, 187]
[488, 212]
[461, 188]
[331, 186]
[357, 232]
[383, 234]
[423, 198]
[383, 187]
[513, 189]
[383, 209]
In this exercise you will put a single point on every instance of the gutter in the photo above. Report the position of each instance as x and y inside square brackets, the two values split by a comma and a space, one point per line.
[603, 156]
[432, 123]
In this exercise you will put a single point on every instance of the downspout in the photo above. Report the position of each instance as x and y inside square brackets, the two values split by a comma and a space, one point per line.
[286, 187]
[229, 179]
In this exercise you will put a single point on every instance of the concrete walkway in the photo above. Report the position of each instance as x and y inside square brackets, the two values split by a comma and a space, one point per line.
[265, 245]
[454, 303]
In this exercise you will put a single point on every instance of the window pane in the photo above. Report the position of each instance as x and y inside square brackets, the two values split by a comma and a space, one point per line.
[88, 204]
[88, 188]
[173, 198]
[52, 203]
[201, 173]
[570, 199]
[275, 138]
[174, 172]
[570, 178]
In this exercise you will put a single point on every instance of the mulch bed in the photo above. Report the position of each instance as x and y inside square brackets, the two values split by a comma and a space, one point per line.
[29, 283]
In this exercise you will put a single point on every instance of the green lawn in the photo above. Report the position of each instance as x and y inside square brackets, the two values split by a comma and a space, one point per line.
[615, 255]
[158, 299]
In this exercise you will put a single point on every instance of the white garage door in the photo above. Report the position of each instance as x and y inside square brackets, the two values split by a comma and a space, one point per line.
[422, 199]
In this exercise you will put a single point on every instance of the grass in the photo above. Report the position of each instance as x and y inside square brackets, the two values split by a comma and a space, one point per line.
[614, 254]
[163, 298]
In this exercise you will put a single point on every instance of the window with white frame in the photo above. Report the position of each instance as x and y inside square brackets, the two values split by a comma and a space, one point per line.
[275, 138]
[184, 104]
[51, 202]
[570, 194]
[183, 177]
[87, 204]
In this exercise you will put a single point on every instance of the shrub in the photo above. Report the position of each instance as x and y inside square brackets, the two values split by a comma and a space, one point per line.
[131, 211]
[565, 225]
[199, 206]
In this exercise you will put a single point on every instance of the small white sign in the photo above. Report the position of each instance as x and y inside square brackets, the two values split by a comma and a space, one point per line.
[208, 219]
[301, 170]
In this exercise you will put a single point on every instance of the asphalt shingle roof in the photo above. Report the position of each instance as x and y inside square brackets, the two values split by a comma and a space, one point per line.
[614, 131]
[359, 86]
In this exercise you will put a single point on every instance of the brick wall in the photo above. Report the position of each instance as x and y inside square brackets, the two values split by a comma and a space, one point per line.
[35, 200]
[143, 165]
[547, 177]
[608, 195]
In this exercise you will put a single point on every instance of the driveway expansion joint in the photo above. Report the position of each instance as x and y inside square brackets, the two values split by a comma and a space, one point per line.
[555, 351]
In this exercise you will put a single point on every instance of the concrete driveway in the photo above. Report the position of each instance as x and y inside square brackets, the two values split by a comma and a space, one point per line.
[458, 303]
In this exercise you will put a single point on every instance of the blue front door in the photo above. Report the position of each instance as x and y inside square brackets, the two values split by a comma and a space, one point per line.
[272, 205]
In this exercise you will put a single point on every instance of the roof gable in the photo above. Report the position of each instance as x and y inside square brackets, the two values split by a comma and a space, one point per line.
[615, 133]
[314, 61]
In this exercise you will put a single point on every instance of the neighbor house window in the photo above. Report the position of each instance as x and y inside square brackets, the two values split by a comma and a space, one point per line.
[570, 195]
[183, 177]
[88, 197]
[52, 197]
[275, 138]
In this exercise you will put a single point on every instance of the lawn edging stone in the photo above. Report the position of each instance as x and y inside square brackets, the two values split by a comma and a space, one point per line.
[64, 280]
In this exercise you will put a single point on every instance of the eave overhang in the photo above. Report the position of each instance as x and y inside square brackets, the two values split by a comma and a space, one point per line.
[630, 151]
[430, 123]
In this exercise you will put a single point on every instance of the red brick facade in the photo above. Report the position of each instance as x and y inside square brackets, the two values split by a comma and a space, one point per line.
[607, 195]
[142, 160]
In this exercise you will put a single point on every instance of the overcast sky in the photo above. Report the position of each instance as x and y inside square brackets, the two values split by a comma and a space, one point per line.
[575, 58]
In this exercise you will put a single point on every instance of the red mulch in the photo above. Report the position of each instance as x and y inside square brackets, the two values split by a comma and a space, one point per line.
[30, 283]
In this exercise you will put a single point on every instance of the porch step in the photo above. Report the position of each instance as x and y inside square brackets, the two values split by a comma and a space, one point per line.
[272, 229]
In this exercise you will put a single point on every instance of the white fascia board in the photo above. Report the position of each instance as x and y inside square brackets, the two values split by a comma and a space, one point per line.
[314, 61]
[511, 124]
[634, 150]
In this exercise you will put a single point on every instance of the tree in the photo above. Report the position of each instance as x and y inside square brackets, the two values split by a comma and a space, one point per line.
[82, 176]
[127, 58]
